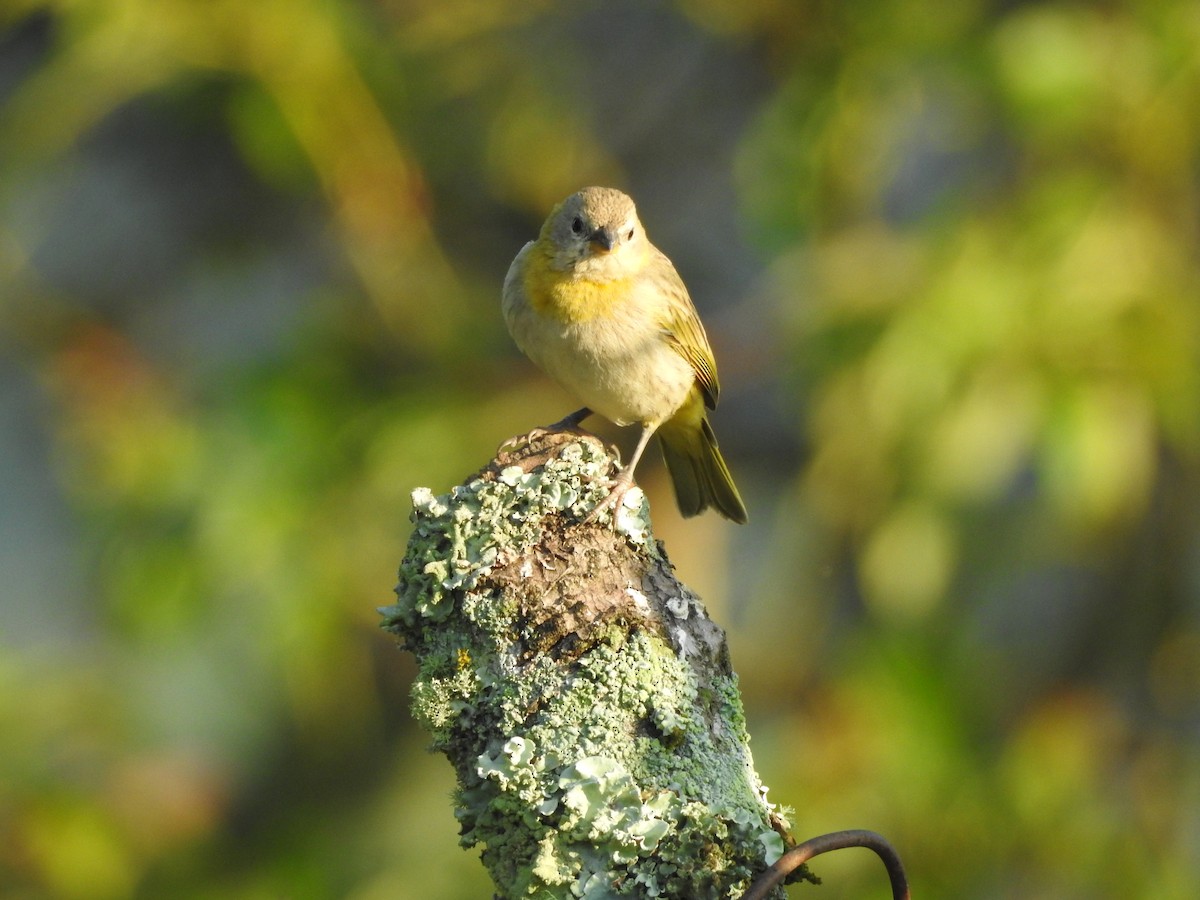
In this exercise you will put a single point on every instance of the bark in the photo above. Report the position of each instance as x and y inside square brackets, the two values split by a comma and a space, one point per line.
[581, 692]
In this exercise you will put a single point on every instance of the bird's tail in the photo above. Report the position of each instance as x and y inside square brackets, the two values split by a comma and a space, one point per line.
[698, 472]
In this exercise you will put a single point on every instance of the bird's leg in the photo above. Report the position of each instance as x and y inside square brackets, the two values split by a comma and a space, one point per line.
[624, 480]
[566, 423]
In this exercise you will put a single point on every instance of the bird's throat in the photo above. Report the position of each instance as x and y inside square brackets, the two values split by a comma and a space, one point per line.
[569, 296]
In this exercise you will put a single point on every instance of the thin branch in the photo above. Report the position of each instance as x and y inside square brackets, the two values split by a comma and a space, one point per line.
[802, 853]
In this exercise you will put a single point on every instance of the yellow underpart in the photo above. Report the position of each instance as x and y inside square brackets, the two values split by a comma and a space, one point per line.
[568, 298]
[688, 417]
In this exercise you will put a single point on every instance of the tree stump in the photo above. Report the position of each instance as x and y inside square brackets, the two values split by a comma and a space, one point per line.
[581, 692]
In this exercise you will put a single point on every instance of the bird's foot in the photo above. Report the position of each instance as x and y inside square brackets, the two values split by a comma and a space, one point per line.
[566, 423]
[616, 496]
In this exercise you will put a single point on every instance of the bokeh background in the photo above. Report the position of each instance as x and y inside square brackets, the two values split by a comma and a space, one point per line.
[949, 259]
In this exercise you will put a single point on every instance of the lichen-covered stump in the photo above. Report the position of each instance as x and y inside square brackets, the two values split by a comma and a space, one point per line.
[581, 692]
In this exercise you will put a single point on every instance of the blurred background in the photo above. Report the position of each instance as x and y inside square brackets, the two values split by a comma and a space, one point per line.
[948, 256]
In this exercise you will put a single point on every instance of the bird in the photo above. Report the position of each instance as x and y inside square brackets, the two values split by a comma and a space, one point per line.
[603, 312]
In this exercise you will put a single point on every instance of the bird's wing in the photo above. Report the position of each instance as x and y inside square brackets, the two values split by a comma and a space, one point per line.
[683, 328]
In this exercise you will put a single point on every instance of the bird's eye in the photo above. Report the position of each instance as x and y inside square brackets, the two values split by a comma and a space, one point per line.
[577, 225]
[629, 235]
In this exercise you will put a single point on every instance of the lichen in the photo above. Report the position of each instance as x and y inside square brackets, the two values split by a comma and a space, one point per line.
[460, 536]
[614, 763]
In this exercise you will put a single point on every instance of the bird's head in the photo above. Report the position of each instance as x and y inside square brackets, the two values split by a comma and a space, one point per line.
[596, 233]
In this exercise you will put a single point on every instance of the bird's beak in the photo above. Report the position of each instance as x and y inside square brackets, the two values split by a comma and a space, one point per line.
[602, 239]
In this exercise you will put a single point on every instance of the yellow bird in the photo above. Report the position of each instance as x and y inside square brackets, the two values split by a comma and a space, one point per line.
[603, 312]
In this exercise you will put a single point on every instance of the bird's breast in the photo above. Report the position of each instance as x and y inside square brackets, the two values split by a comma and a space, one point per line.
[601, 339]
[570, 298]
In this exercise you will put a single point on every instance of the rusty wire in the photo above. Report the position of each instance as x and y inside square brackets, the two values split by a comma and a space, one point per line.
[802, 853]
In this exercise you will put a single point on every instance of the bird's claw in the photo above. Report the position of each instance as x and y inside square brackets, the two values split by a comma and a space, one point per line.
[566, 423]
[614, 499]
[521, 440]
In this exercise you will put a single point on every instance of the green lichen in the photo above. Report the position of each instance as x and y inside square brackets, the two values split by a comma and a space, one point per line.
[611, 793]
[618, 769]
[460, 536]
